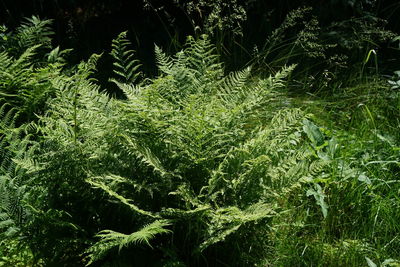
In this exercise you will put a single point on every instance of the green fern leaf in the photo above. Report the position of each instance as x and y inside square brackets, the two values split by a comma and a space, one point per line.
[111, 239]
[125, 66]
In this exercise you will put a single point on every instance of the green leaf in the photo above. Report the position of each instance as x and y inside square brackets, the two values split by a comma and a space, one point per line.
[319, 197]
[313, 132]
[363, 178]
[370, 262]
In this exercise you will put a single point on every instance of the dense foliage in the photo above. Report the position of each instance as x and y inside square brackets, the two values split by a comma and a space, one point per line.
[198, 165]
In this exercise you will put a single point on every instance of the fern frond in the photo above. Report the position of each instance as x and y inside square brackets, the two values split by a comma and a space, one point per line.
[147, 157]
[125, 66]
[179, 214]
[98, 182]
[6, 224]
[14, 147]
[34, 32]
[5, 60]
[202, 57]
[277, 80]
[86, 68]
[110, 239]
[226, 221]
[194, 70]
[130, 90]
[24, 61]
[233, 87]
[164, 62]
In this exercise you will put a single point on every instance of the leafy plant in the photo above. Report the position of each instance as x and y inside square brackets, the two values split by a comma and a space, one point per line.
[192, 149]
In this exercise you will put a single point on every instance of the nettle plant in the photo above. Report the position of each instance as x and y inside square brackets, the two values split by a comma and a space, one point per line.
[193, 162]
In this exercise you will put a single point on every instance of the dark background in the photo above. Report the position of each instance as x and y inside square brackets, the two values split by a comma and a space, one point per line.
[88, 26]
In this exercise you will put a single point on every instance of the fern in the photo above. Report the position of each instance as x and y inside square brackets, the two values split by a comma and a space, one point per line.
[24, 86]
[111, 239]
[226, 221]
[208, 155]
[15, 147]
[187, 122]
[98, 183]
[125, 65]
[34, 32]
[164, 62]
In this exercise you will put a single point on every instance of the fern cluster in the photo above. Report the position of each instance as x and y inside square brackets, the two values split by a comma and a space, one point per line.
[193, 159]
[195, 166]
[28, 66]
